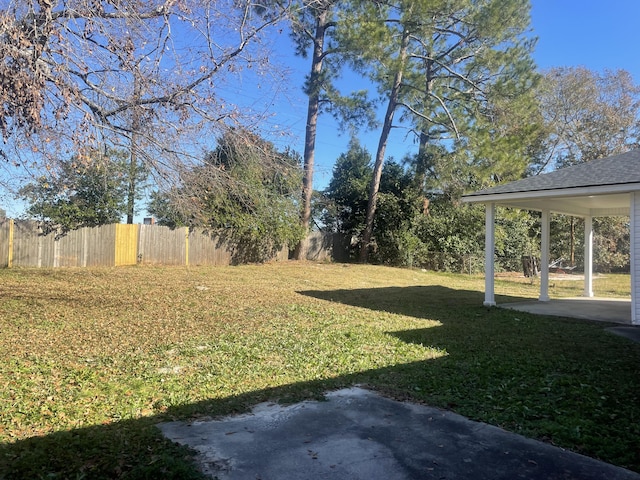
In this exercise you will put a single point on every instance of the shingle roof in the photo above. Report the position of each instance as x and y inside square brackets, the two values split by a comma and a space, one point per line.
[615, 170]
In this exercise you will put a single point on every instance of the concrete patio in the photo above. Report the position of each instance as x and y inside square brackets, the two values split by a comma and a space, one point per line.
[358, 434]
[614, 310]
[610, 310]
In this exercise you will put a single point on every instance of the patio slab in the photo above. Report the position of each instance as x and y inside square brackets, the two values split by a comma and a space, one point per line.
[357, 434]
[614, 310]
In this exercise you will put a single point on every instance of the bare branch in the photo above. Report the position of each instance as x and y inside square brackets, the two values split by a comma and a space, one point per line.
[67, 71]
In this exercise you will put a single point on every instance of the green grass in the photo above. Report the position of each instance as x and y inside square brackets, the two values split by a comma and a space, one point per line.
[92, 359]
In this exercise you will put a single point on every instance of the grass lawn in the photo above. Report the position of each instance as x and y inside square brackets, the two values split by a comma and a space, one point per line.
[92, 359]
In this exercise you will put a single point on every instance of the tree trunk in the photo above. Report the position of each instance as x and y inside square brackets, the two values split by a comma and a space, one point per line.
[133, 163]
[382, 145]
[311, 129]
[425, 134]
[424, 131]
[133, 171]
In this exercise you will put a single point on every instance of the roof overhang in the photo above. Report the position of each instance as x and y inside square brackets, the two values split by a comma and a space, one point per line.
[593, 201]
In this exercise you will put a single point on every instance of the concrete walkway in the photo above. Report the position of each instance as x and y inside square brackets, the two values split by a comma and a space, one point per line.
[357, 434]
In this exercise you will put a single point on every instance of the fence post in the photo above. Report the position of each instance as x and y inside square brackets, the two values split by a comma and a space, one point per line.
[10, 253]
[56, 249]
[85, 246]
[186, 246]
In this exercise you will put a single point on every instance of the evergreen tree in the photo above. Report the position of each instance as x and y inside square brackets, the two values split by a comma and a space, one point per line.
[313, 27]
[347, 190]
[437, 64]
[87, 190]
[400, 202]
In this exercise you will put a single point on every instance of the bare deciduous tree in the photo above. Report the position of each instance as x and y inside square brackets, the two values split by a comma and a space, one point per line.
[589, 114]
[82, 73]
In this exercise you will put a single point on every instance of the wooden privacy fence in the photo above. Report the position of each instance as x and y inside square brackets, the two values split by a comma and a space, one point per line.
[22, 244]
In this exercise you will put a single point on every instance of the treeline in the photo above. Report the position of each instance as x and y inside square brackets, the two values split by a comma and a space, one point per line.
[435, 231]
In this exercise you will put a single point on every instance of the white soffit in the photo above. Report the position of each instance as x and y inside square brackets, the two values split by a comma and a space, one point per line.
[586, 202]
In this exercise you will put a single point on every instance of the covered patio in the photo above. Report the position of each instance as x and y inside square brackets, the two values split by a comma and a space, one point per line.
[600, 188]
[613, 310]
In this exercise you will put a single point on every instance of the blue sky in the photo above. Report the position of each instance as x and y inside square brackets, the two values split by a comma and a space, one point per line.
[597, 34]
[592, 33]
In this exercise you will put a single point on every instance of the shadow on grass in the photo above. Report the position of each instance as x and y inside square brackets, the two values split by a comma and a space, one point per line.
[563, 381]
[434, 302]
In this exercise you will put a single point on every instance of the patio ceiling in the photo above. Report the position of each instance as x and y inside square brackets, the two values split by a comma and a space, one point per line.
[615, 204]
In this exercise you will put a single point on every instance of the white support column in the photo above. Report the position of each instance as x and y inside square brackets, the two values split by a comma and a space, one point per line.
[635, 257]
[489, 248]
[544, 257]
[588, 257]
